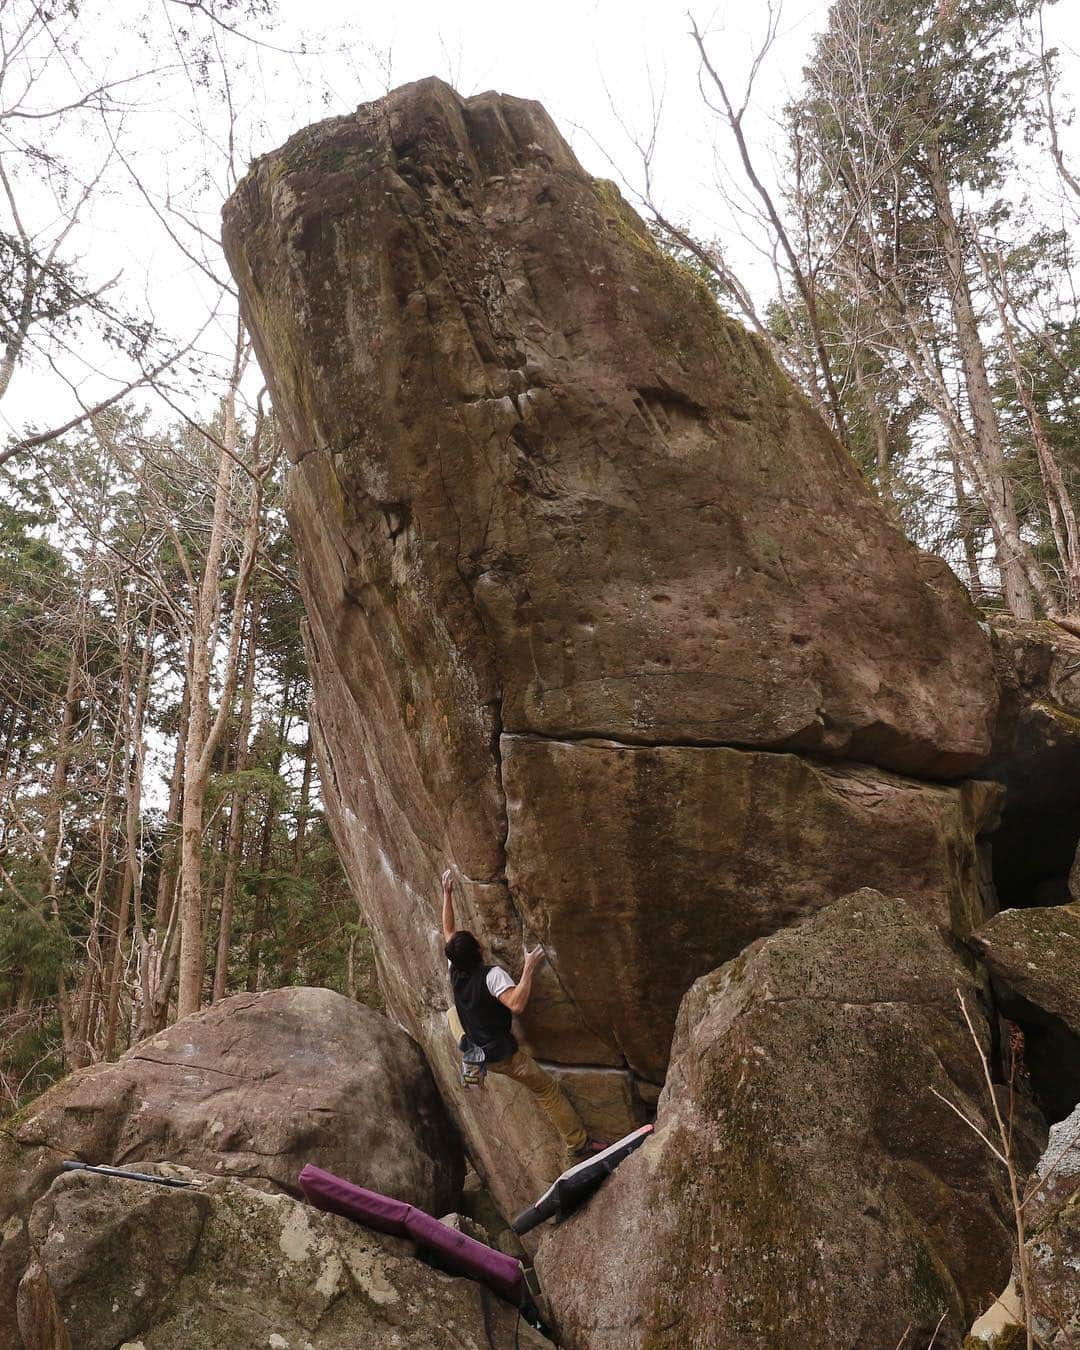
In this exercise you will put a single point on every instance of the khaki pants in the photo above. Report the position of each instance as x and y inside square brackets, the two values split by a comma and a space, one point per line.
[523, 1069]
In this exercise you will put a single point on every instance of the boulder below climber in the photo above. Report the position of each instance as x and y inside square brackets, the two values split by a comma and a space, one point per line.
[1033, 956]
[253, 1088]
[123, 1263]
[805, 1185]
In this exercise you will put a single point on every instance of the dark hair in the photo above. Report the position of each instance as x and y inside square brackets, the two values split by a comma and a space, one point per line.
[464, 951]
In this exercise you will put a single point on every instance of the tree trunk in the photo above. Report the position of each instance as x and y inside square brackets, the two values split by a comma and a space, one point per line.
[155, 978]
[292, 934]
[205, 730]
[963, 525]
[237, 808]
[52, 838]
[133, 811]
[1017, 581]
[112, 994]
[259, 907]
[261, 904]
[1058, 502]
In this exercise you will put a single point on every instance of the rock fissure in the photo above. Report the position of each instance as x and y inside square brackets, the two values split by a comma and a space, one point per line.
[187, 1064]
[604, 740]
[620, 1070]
[942, 1005]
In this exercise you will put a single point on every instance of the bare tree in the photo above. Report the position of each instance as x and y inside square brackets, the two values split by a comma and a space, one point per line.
[718, 99]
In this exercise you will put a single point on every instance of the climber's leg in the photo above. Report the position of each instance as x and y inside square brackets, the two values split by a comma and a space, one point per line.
[523, 1069]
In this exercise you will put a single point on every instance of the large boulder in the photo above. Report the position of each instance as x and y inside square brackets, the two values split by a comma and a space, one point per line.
[557, 515]
[1033, 956]
[123, 1263]
[807, 1186]
[252, 1088]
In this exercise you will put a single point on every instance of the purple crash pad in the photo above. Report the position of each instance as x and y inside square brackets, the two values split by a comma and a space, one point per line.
[456, 1251]
[326, 1191]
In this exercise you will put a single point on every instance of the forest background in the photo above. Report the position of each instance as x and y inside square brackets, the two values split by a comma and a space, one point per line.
[887, 191]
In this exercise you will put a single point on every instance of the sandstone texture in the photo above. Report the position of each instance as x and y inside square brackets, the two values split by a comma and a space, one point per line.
[122, 1263]
[567, 535]
[1054, 1238]
[252, 1088]
[1033, 956]
[671, 860]
[805, 1187]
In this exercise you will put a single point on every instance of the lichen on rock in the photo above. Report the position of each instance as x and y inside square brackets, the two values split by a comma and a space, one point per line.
[224, 1265]
[252, 1088]
[805, 1186]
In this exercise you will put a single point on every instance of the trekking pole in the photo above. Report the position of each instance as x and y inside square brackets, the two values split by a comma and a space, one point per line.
[126, 1176]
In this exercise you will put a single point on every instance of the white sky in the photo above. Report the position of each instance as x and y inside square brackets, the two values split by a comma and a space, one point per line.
[593, 63]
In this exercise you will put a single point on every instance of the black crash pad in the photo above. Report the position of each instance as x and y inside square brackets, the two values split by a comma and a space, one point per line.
[570, 1190]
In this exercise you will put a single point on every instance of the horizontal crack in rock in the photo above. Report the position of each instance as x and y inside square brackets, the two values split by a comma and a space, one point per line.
[602, 740]
[623, 1070]
[205, 1068]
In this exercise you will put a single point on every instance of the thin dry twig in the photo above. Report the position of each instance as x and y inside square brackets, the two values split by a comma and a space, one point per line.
[1004, 1155]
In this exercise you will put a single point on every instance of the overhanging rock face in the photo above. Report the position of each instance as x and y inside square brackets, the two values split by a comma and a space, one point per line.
[552, 505]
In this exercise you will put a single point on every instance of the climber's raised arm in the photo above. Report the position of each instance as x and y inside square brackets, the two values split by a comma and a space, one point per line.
[449, 928]
[517, 998]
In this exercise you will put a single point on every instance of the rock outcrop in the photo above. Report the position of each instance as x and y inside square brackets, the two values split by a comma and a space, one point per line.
[1033, 956]
[740, 845]
[122, 1263]
[252, 1088]
[805, 1187]
[1054, 1238]
[1036, 756]
[1052, 1219]
[585, 577]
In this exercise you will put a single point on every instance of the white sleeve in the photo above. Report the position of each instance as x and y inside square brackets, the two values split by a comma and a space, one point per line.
[498, 982]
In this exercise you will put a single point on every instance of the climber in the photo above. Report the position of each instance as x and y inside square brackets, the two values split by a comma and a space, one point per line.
[485, 998]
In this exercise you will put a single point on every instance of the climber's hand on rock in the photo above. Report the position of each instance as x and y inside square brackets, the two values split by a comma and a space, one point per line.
[533, 958]
[448, 924]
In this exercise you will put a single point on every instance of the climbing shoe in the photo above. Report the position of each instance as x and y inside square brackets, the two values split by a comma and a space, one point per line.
[588, 1150]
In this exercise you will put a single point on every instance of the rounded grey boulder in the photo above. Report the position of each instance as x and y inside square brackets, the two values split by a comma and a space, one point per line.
[252, 1088]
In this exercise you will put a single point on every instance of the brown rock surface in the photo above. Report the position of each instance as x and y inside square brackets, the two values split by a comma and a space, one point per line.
[1033, 956]
[253, 1087]
[545, 492]
[121, 1263]
[672, 859]
[566, 483]
[804, 1188]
